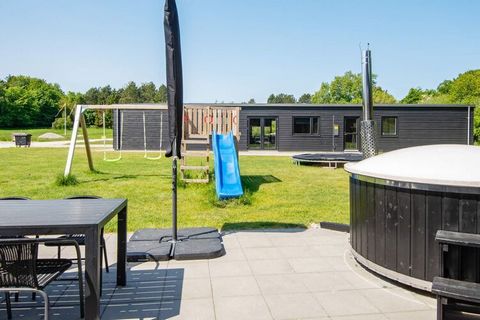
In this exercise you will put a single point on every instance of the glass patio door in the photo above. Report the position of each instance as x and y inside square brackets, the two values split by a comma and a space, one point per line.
[262, 133]
[351, 133]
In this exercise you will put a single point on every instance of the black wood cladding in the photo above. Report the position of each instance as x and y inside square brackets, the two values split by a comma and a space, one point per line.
[417, 125]
[395, 228]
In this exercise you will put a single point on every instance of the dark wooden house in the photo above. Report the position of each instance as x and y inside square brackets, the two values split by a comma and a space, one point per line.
[309, 127]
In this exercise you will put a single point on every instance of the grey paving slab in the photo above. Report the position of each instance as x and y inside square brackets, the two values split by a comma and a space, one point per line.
[262, 253]
[241, 308]
[229, 268]
[235, 286]
[299, 274]
[281, 283]
[362, 317]
[303, 265]
[234, 254]
[294, 306]
[345, 303]
[417, 315]
[254, 241]
[272, 266]
[197, 309]
[326, 281]
[394, 300]
[192, 269]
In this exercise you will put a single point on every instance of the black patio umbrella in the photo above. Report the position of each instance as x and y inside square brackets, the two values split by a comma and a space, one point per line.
[174, 97]
[187, 243]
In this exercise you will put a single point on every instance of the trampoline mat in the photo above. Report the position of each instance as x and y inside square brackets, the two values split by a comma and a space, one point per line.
[340, 156]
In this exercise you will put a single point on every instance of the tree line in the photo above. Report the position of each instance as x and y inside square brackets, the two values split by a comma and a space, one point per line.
[464, 89]
[27, 102]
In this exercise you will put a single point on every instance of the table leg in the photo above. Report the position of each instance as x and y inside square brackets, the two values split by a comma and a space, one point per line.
[92, 274]
[122, 248]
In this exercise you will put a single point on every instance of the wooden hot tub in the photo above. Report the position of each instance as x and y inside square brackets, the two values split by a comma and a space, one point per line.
[398, 201]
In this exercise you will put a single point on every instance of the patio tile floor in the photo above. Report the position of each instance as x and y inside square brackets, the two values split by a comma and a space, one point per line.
[281, 274]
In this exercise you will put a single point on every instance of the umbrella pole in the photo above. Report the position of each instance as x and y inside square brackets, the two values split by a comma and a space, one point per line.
[174, 194]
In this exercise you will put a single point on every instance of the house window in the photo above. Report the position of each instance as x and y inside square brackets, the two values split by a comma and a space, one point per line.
[389, 126]
[306, 125]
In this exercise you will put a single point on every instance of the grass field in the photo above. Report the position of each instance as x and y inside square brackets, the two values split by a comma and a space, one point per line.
[279, 194]
[93, 133]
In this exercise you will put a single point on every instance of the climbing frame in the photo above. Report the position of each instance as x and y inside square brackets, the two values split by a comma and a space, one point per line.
[199, 123]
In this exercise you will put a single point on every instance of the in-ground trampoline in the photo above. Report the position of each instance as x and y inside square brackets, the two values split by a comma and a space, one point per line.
[331, 159]
[398, 202]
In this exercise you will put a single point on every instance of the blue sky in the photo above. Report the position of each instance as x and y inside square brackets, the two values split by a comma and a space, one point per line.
[234, 50]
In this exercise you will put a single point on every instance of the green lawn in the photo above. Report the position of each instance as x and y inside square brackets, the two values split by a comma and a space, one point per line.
[93, 133]
[280, 194]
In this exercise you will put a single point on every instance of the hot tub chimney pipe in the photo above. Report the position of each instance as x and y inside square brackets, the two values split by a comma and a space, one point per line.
[367, 126]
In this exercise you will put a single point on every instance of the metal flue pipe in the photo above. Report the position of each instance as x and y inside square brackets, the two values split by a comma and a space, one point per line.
[367, 92]
[367, 126]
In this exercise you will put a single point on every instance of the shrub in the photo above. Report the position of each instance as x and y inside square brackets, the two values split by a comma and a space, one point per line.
[69, 180]
[59, 123]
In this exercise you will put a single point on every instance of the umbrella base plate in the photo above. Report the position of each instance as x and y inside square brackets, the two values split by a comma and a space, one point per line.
[192, 244]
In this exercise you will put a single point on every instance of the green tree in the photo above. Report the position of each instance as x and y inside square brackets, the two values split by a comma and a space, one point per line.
[444, 87]
[419, 95]
[251, 101]
[348, 89]
[281, 98]
[466, 89]
[148, 92]
[28, 102]
[305, 98]
[130, 93]
[414, 95]
[161, 95]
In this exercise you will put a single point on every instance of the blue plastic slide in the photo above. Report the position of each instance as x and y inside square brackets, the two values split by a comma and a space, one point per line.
[227, 171]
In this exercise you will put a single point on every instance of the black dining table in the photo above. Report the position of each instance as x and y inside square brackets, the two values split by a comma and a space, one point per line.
[79, 216]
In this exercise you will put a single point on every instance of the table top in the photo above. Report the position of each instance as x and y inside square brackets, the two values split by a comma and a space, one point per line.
[58, 213]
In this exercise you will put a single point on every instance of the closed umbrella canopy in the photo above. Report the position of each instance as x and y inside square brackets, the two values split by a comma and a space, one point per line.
[174, 78]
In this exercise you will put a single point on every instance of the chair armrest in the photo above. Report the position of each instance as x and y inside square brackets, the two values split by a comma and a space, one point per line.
[458, 238]
[57, 241]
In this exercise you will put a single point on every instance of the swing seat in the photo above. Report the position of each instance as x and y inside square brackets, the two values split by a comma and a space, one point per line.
[146, 156]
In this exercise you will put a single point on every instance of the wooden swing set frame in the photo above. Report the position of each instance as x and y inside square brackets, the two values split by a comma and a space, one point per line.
[79, 122]
[199, 123]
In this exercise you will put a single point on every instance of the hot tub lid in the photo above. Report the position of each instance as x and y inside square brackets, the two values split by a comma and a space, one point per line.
[449, 165]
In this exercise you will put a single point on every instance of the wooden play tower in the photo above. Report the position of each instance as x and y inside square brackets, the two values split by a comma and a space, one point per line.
[199, 123]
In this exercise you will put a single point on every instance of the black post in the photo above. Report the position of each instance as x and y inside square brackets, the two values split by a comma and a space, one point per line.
[174, 198]
[174, 98]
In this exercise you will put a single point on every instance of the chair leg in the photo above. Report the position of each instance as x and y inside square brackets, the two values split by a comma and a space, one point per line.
[440, 309]
[16, 296]
[101, 273]
[46, 303]
[59, 252]
[9, 305]
[80, 291]
[80, 281]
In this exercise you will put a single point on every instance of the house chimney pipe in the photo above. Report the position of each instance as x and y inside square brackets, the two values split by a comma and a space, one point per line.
[368, 133]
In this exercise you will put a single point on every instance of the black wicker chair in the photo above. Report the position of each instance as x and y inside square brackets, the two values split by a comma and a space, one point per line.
[7, 295]
[15, 198]
[21, 270]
